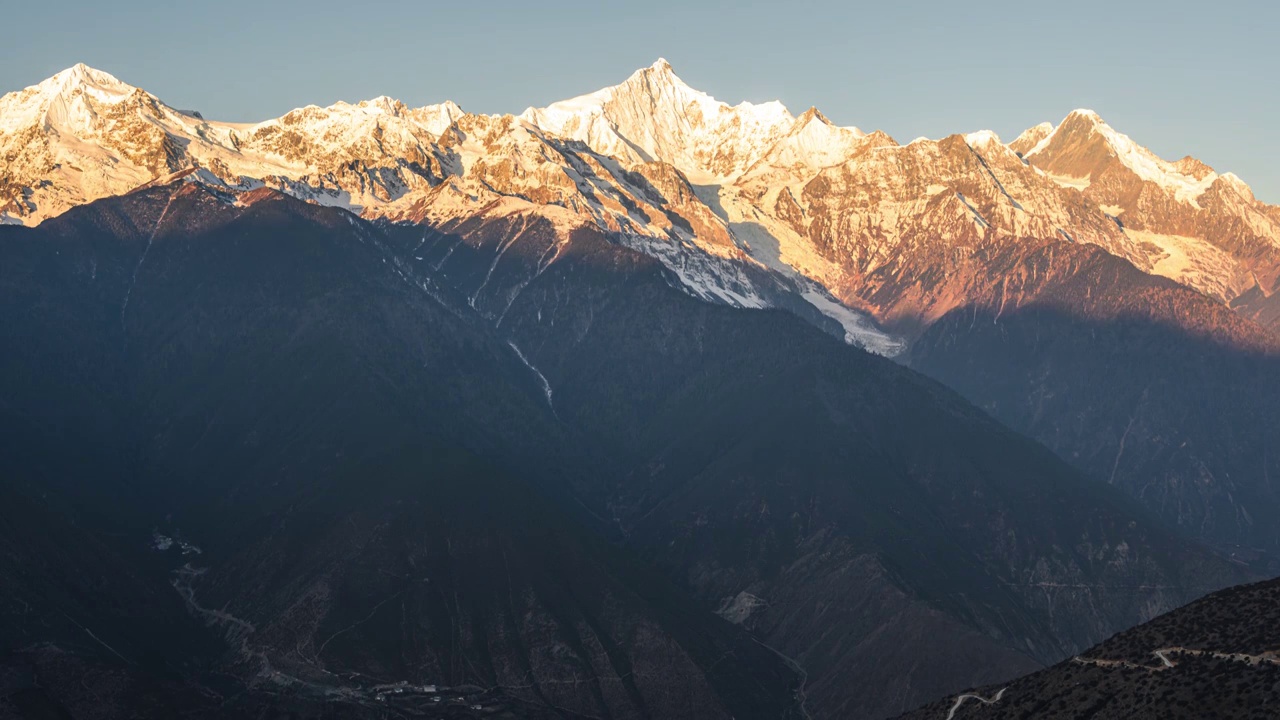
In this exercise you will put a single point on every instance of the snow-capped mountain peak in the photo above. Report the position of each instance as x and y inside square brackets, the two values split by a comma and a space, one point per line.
[1031, 137]
[718, 193]
[85, 77]
[1180, 219]
[1084, 147]
[654, 115]
[810, 144]
[65, 97]
[1233, 181]
[982, 139]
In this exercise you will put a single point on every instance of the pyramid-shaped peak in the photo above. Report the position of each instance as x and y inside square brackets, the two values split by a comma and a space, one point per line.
[1082, 119]
[812, 121]
[1085, 114]
[1232, 180]
[1083, 123]
[813, 113]
[659, 73]
[80, 75]
[1194, 167]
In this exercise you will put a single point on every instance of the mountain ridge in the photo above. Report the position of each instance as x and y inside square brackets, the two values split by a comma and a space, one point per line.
[368, 155]
[873, 241]
[376, 155]
[744, 454]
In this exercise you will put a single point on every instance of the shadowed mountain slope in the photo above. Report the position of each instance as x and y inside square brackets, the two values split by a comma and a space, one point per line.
[861, 519]
[358, 462]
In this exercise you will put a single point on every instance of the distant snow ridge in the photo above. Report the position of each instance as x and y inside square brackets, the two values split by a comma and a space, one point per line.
[747, 205]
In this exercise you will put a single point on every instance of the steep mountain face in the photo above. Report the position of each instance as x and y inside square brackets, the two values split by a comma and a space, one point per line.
[910, 229]
[655, 116]
[399, 458]
[382, 159]
[355, 471]
[773, 474]
[1216, 658]
[684, 176]
[829, 501]
[1204, 230]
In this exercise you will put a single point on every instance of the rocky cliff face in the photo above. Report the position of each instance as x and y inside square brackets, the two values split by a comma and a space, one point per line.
[1193, 225]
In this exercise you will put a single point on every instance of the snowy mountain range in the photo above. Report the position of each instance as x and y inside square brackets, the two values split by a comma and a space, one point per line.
[747, 205]
[439, 397]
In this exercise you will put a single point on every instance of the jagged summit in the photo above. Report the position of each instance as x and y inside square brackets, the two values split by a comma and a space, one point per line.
[654, 115]
[810, 144]
[83, 134]
[66, 96]
[1031, 137]
[1085, 147]
[81, 75]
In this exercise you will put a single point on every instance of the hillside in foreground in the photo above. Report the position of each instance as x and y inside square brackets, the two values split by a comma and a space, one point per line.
[1218, 657]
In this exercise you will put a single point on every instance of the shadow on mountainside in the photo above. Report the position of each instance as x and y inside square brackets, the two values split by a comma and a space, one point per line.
[862, 520]
[1185, 423]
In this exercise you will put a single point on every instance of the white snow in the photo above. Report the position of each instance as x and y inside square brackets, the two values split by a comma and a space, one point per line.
[858, 329]
[982, 138]
[1080, 184]
[654, 115]
[739, 160]
[1039, 132]
[1240, 186]
[812, 143]
[542, 380]
[1195, 263]
[92, 124]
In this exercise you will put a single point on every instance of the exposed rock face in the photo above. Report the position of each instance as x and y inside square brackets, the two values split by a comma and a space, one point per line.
[83, 134]
[1197, 227]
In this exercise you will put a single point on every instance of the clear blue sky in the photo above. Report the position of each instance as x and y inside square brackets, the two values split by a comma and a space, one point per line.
[1181, 77]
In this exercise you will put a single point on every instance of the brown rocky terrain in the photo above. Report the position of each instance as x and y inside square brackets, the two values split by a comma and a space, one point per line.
[1216, 658]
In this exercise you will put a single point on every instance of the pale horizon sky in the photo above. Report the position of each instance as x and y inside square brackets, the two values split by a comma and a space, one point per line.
[1179, 77]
